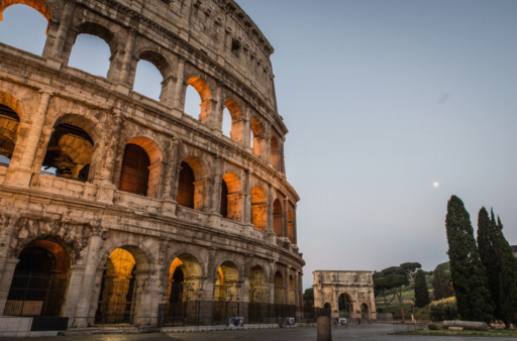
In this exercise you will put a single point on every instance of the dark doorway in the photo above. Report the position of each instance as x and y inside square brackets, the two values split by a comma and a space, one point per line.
[135, 170]
[186, 187]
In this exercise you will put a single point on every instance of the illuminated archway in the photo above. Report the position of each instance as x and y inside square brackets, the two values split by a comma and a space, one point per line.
[345, 306]
[257, 136]
[70, 149]
[276, 154]
[259, 207]
[190, 190]
[233, 123]
[278, 218]
[231, 197]
[40, 279]
[198, 106]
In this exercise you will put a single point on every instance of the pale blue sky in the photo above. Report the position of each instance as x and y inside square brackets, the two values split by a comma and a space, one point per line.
[382, 98]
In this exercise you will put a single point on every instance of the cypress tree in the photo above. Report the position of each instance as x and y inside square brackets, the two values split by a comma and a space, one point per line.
[442, 285]
[487, 251]
[506, 300]
[467, 272]
[421, 292]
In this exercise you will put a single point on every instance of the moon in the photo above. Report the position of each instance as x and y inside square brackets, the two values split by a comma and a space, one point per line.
[436, 184]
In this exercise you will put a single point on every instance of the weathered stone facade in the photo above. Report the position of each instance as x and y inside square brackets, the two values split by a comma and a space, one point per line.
[132, 188]
[345, 293]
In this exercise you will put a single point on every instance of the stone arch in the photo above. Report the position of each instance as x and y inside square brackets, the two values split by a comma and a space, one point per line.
[190, 280]
[345, 305]
[191, 185]
[38, 5]
[141, 167]
[279, 287]
[94, 29]
[71, 147]
[205, 94]
[365, 311]
[257, 136]
[276, 153]
[233, 108]
[231, 196]
[160, 63]
[40, 279]
[259, 207]
[291, 290]
[125, 269]
[9, 123]
[291, 223]
[278, 218]
[259, 290]
[226, 286]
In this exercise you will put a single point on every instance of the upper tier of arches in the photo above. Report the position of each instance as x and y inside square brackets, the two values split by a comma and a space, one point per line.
[96, 45]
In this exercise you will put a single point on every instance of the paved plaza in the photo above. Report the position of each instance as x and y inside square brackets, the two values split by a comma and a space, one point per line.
[363, 333]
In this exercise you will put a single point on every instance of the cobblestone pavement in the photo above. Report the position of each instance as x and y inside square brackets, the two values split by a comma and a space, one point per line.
[360, 333]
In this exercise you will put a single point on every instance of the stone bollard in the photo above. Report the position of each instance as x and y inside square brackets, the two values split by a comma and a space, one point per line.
[324, 330]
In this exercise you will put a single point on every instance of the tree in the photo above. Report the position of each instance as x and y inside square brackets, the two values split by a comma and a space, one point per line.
[506, 296]
[442, 284]
[486, 239]
[421, 292]
[467, 271]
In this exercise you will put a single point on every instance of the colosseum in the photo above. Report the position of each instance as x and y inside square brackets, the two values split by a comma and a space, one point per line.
[117, 208]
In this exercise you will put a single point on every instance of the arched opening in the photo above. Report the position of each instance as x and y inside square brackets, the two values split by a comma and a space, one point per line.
[279, 288]
[141, 167]
[345, 306]
[9, 122]
[16, 31]
[365, 312]
[291, 229]
[227, 123]
[135, 170]
[276, 154]
[259, 208]
[119, 289]
[291, 294]
[278, 218]
[226, 292]
[231, 197]
[198, 99]
[186, 186]
[91, 50]
[70, 150]
[148, 80]
[184, 285]
[258, 294]
[257, 136]
[39, 283]
[233, 124]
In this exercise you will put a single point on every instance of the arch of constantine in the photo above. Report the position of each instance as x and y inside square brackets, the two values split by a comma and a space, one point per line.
[347, 294]
[119, 208]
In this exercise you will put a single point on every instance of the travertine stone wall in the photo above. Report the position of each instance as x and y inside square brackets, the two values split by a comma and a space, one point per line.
[215, 47]
[356, 285]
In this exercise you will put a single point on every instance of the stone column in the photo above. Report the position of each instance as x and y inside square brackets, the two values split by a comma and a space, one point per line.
[217, 107]
[270, 218]
[180, 89]
[120, 66]
[82, 317]
[217, 178]
[29, 135]
[285, 218]
[170, 167]
[167, 93]
[5, 281]
[246, 190]
[73, 293]
[57, 33]
[266, 152]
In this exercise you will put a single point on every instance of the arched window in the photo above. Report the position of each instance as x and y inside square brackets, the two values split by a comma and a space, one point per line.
[231, 197]
[257, 136]
[233, 124]
[259, 208]
[148, 80]
[278, 218]
[9, 122]
[134, 176]
[69, 152]
[198, 99]
[186, 186]
[23, 27]
[91, 51]
[226, 283]
[276, 154]
[227, 123]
